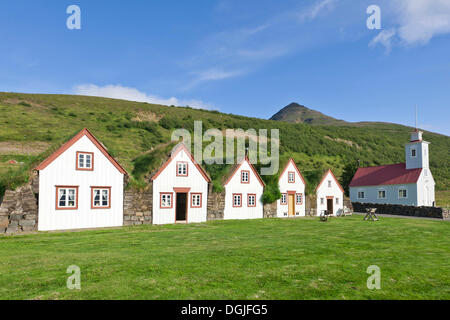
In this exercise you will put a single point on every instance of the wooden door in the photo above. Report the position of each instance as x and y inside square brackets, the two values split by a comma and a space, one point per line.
[291, 205]
[330, 206]
[181, 207]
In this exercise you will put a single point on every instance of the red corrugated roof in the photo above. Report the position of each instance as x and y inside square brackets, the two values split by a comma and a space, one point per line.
[385, 175]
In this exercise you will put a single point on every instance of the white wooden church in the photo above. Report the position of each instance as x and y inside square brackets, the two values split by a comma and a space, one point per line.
[410, 183]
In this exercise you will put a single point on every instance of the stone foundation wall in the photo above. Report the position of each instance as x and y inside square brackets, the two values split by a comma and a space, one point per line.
[137, 207]
[216, 205]
[270, 210]
[19, 211]
[428, 212]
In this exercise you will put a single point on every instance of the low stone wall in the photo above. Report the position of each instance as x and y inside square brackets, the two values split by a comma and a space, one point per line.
[137, 207]
[216, 205]
[19, 211]
[427, 212]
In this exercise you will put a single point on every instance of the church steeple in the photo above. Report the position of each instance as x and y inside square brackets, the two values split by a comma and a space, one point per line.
[416, 151]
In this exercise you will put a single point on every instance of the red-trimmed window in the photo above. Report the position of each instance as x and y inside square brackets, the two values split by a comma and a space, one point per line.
[299, 198]
[251, 200]
[182, 169]
[245, 176]
[166, 200]
[100, 197]
[329, 183]
[237, 200]
[284, 198]
[196, 200]
[85, 161]
[291, 177]
[66, 197]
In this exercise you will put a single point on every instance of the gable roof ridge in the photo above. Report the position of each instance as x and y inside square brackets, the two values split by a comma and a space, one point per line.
[72, 141]
[233, 172]
[334, 177]
[177, 149]
[296, 168]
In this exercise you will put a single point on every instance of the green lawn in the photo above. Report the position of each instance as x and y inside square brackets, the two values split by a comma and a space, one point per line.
[259, 259]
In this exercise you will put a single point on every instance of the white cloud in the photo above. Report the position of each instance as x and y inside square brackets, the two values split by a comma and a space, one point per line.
[416, 22]
[132, 94]
[237, 52]
[316, 9]
[384, 38]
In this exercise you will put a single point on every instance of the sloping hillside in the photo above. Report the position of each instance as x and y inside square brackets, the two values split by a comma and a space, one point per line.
[297, 113]
[137, 134]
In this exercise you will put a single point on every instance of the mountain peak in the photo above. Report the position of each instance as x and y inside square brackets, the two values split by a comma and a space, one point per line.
[298, 113]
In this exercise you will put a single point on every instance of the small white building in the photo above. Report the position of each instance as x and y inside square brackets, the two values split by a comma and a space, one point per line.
[409, 183]
[330, 194]
[80, 186]
[180, 189]
[292, 188]
[243, 193]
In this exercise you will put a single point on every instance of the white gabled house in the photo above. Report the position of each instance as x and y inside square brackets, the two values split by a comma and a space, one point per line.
[180, 189]
[292, 188]
[80, 186]
[330, 194]
[409, 183]
[243, 193]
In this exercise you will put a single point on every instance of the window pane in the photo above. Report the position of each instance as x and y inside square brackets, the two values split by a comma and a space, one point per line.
[88, 161]
[62, 197]
[81, 160]
[105, 198]
[96, 198]
[71, 198]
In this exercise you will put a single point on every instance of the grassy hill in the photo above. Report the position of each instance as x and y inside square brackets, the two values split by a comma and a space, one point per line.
[138, 135]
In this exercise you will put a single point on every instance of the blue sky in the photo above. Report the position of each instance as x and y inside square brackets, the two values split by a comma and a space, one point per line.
[243, 57]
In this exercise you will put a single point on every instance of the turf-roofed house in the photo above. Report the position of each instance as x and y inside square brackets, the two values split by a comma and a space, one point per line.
[330, 195]
[243, 192]
[180, 189]
[409, 183]
[292, 188]
[80, 186]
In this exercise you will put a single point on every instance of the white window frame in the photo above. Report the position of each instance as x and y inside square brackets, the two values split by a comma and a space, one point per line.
[283, 199]
[84, 156]
[329, 184]
[337, 200]
[378, 194]
[364, 194]
[183, 165]
[291, 174]
[102, 192]
[166, 200]
[400, 189]
[67, 191]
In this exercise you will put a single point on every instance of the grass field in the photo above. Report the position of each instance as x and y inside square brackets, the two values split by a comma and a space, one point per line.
[259, 259]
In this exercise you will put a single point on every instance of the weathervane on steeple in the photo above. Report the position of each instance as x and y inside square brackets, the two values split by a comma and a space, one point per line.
[416, 119]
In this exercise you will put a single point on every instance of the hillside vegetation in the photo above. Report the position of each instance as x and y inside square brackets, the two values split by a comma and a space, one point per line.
[138, 135]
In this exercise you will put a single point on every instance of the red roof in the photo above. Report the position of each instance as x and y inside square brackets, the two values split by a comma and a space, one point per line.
[68, 144]
[385, 175]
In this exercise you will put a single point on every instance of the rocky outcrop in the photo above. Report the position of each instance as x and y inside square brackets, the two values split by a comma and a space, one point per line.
[19, 211]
